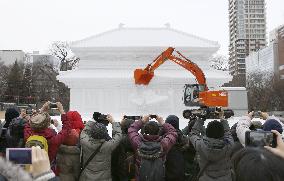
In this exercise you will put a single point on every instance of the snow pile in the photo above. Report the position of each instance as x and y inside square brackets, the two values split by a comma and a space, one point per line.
[144, 96]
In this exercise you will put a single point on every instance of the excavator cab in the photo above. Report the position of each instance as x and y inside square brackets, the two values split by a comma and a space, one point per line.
[196, 95]
[191, 94]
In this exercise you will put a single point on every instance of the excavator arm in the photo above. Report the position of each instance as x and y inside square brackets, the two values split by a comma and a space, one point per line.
[205, 96]
[144, 76]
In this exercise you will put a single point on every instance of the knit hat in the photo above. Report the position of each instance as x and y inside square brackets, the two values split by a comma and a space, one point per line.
[97, 131]
[151, 128]
[10, 114]
[173, 120]
[255, 125]
[126, 124]
[215, 129]
[76, 121]
[272, 124]
[40, 121]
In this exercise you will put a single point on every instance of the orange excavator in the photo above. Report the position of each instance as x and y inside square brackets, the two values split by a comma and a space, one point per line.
[194, 94]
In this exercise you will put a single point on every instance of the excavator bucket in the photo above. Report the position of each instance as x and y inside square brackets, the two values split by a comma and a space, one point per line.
[142, 76]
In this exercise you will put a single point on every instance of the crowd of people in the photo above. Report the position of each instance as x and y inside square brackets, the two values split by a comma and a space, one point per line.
[146, 148]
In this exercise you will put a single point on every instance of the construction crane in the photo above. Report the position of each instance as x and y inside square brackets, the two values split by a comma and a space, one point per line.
[204, 97]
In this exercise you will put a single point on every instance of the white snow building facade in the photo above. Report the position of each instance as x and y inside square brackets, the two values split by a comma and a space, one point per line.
[104, 79]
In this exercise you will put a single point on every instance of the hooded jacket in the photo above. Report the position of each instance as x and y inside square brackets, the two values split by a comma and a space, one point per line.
[54, 140]
[167, 141]
[76, 127]
[68, 156]
[68, 162]
[215, 153]
[99, 168]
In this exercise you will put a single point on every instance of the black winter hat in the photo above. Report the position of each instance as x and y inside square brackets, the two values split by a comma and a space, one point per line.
[215, 129]
[173, 120]
[272, 124]
[126, 124]
[96, 115]
[151, 128]
[10, 114]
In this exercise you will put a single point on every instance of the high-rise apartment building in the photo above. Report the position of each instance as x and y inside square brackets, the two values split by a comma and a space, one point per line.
[247, 21]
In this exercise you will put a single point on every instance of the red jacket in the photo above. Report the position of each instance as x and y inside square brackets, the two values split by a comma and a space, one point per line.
[54, 140]
[76, 127]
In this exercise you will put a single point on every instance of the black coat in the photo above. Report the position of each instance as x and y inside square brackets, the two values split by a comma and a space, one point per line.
[175, 162]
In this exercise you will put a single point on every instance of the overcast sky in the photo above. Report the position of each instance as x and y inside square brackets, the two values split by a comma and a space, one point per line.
[33, 24]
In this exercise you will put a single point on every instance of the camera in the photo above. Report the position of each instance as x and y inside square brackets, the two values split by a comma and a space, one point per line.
[100, 118]
[153, 116]
[53, 105]
[29, 111]
[207, 113]
[260, 138]
[21, 156]
[132, 117]
[257, 114]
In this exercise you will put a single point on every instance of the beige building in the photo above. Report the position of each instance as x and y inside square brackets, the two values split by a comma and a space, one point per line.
[10, 56]
[269, 60]
[247, 25]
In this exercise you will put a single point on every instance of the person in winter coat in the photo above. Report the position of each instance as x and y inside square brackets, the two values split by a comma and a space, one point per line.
[122, 159]
[214, 149]
[15, 131]
[40, 169]
[244, 124]
[10, 114]
[94, 137]
[39, 125]
[68, 156]
[237, 145]
[191, 163]
[175, 163]
[151, 134]
[255, 164]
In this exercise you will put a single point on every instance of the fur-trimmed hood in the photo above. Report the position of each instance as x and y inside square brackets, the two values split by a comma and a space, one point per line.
[12, 172]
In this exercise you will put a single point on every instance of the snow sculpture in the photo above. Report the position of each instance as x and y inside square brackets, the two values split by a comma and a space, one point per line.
[104, 79]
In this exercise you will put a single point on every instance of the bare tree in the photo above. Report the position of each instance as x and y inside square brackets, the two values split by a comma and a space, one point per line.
[265, 92]
[62, 51]
[46, 86]
[4, 72]
[219, 62]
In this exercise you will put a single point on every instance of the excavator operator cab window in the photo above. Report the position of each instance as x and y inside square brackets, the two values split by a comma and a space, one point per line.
[191, 94]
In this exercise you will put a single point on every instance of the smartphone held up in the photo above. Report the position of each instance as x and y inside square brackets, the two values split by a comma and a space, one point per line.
[21, 156]
[260, 139]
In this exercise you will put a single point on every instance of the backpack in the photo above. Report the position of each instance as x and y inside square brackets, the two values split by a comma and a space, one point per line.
[36, 140]
[152, 166]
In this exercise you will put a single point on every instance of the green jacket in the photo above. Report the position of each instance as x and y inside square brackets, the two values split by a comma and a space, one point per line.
[99, 169]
